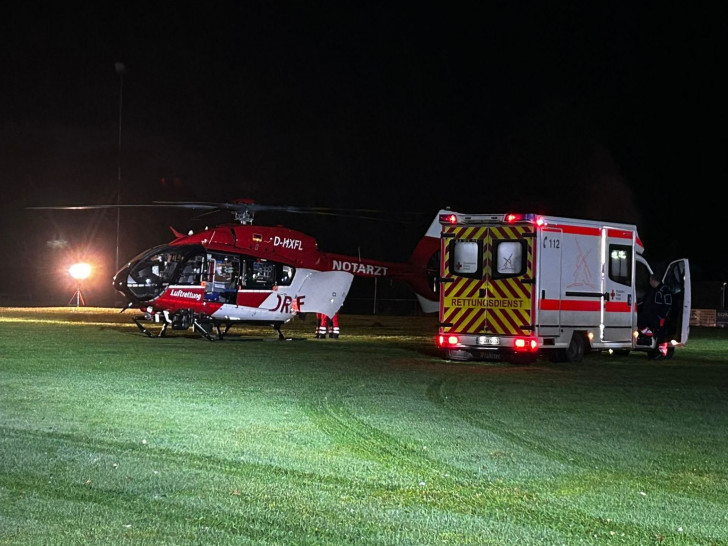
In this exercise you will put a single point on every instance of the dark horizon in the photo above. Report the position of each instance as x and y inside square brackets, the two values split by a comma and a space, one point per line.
[604, 112]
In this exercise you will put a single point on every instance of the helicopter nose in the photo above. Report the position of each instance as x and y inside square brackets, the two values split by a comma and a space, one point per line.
[119, 282]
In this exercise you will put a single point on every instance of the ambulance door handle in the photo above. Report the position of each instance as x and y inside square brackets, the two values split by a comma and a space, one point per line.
[606, 296]
[588, 294]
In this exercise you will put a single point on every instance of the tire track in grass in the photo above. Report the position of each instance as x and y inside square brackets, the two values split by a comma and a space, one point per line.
[173, 458]
[245, 515]
[573, 484]
[484, 420]
[270, 498]
[354, 435]
[490, 501]
[249, 516]
[443, 392]
[332, 416]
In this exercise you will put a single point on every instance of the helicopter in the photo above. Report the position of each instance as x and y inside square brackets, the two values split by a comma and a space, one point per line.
[239, 273]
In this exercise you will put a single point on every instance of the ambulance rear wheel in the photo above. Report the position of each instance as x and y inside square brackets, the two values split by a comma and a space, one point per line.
[575, 351]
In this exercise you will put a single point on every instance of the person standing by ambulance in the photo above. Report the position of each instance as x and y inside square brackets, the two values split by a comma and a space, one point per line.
[653, 311]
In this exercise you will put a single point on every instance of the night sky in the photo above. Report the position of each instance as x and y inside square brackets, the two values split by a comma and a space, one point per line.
[615, 112]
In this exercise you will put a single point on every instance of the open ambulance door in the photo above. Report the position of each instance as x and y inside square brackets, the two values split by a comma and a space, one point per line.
[677, 277]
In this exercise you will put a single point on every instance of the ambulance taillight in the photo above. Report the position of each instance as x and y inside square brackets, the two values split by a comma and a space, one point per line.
[448, 341]
[526, 344]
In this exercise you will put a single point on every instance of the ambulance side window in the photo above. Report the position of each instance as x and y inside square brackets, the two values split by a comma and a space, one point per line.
[466, 258]
[509, 258]
[620, 264]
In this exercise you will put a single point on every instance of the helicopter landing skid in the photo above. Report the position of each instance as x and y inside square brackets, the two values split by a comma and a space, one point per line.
[146, 331]
[211, 331]
[205, 329]
[277, 328]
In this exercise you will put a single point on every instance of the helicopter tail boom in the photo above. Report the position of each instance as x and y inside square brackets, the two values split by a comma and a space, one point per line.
[420, 272]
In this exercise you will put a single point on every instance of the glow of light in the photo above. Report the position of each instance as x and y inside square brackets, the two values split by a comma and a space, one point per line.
[80, 271]
[447, 341]
[526, 343]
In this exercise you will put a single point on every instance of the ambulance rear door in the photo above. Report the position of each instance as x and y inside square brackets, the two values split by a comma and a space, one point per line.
[487, 280]
[549, 286]
[677, 277]
[619, 294]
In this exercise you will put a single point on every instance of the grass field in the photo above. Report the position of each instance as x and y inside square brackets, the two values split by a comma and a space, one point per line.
[110, 437]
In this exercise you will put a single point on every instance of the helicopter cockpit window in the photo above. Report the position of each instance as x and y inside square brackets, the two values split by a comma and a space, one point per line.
[286, 276]
[148, 274]
[192, 270]
[263, 274]
[259, 274]
[159, 268]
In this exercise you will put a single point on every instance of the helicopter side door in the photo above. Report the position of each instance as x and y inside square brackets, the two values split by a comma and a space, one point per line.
[223, 277]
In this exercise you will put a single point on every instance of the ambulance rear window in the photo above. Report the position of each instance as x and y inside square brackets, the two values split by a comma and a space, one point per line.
[509, 258]
[466, 258]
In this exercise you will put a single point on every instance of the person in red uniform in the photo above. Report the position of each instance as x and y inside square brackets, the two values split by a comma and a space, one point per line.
[327, 325]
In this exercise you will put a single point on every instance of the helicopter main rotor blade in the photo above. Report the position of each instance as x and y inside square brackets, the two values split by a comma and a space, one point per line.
[256, 207]
[92, 207]
[244, 211]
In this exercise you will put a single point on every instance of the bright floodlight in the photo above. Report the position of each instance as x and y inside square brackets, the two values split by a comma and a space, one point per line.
[80, 271]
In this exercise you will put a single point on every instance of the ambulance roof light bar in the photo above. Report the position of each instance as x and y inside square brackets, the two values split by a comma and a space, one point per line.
[512, 218]
[452, 218]
[449, 218]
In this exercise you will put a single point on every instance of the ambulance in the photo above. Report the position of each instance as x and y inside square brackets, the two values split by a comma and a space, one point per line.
[513, 287]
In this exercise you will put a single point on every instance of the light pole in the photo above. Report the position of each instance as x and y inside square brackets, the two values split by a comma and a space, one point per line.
[120, 69]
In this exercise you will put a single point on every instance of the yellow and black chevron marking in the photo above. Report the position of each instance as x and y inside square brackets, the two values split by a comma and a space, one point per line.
[487, 305]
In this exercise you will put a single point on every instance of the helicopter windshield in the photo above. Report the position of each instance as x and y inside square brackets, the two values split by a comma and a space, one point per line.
[221, 274]
[150, 272]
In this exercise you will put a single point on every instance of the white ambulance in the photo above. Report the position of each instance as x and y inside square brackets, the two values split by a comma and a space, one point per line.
[515, 286]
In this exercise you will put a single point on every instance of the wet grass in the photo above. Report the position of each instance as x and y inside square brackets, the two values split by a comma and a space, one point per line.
[108, 436]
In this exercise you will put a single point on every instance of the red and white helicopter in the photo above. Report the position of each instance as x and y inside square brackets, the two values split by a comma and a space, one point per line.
[240, 273]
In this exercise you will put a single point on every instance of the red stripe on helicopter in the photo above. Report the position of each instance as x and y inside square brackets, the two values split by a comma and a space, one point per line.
[252, 299]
